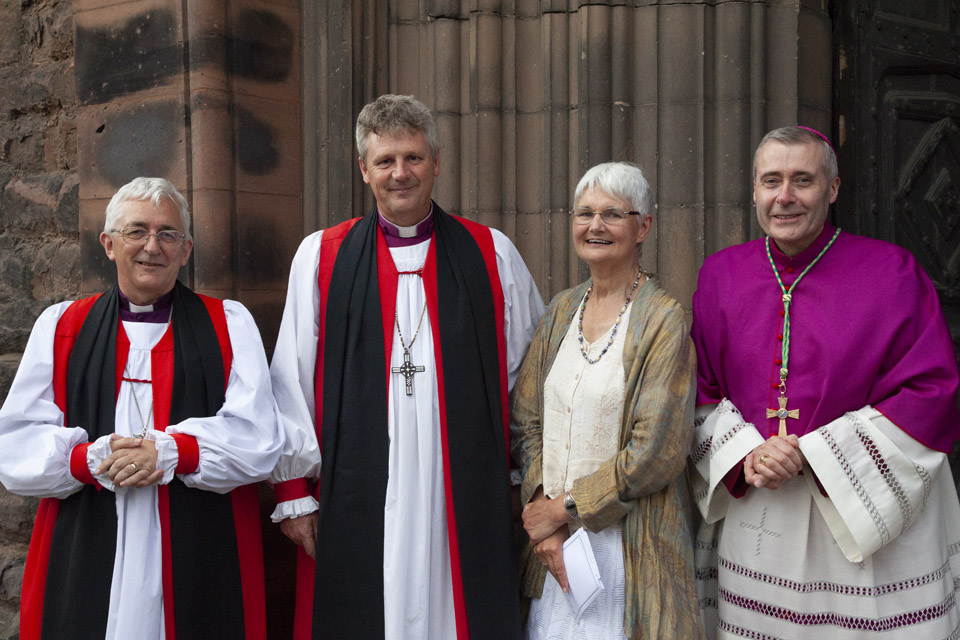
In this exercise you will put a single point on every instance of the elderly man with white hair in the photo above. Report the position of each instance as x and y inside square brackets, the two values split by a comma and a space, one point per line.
[142, 416]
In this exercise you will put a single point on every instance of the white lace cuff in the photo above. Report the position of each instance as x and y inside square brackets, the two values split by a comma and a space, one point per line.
[294, 508]
[97, 452]
[167, 454]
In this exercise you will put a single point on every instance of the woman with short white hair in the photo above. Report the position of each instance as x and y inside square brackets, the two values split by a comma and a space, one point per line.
[602, 416]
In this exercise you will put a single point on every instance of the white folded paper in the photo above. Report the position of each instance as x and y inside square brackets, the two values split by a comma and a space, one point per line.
[583, 577]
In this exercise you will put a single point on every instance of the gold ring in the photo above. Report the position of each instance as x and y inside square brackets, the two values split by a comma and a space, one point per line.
[134, 464]
[763, 460]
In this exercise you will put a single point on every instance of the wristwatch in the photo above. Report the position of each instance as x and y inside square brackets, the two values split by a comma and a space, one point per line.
[570, 506]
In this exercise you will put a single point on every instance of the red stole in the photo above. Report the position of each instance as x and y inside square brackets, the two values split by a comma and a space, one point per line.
[387, 282]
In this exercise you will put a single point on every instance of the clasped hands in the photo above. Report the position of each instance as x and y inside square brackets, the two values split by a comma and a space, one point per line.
[545, 520]
[773, 462]
[133, 462]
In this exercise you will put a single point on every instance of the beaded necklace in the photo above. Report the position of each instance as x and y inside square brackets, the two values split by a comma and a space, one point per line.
[616, 325]
[782, 412]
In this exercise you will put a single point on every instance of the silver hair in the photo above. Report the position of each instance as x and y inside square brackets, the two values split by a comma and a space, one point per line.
[795, 135]
[142, 190]
[394, 114]
[622, 180]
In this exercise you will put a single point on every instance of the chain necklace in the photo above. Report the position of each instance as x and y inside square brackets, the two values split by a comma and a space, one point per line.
[136, 403]
[616, 325]
[781, 411]
[407, 369]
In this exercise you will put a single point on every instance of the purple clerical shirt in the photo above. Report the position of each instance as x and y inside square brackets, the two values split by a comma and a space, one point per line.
[405, 237]
[158, 312]
[866, 328]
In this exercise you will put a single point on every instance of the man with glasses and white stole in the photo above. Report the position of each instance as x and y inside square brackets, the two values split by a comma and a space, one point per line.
[142, 416]
[826, 393]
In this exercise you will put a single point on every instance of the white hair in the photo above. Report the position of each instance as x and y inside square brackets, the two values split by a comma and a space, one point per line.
[622, 180]
[142, 190]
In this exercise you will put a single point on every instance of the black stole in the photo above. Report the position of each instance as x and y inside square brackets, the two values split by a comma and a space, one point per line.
[206, 574]
[348, 594]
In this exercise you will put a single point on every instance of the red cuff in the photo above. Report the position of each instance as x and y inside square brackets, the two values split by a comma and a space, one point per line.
[823, 491]
[78, 465]
[291, 490]
[188, 453]
[735, 482]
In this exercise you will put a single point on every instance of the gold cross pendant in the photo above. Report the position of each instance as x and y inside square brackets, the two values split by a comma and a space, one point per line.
[783, 414]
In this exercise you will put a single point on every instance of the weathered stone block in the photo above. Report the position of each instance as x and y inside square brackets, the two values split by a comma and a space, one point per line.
[19, 313]
[58, 26]
[268, 234]
[266, 307]
[685, 24]
[487, 62]
[9, 623]
[41, 89]
[31, 202]
[131, 138]
[130, 48]
[264, 50]
[530, 159]
[9, 32]
[11, 577]
[16, 519]
[35, 273]
[212, 140]
[213, 236]
[529, 81]
[9, 363]
[98, 273]
[268, 145]
[447, 188]
[60, 146]
[22, 149]
[680, 140]
[679, 243]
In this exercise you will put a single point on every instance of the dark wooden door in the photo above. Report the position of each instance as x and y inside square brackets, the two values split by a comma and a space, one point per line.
[897, 122]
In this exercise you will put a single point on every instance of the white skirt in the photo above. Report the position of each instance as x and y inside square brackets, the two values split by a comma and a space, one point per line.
[551, 616]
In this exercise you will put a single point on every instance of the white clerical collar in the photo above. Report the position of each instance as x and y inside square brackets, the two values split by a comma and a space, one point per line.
[406, 232]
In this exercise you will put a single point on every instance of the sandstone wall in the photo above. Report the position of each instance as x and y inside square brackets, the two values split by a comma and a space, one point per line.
[39, 250]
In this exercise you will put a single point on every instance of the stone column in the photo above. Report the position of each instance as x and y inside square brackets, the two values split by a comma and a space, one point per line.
[207, 95]
[529, 94]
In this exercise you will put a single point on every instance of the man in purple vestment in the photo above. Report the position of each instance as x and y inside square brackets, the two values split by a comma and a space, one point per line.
[827, 386]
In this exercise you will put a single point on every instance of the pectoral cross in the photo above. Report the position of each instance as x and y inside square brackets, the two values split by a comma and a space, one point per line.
[783, 413]
[407, 369]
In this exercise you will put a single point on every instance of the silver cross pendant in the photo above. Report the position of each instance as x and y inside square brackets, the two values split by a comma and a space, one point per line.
[407, 369]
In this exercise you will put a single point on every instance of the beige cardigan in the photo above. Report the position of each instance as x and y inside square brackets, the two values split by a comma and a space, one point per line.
[645, 485]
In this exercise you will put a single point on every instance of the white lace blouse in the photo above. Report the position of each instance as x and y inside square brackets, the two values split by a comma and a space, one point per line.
[582, 409]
